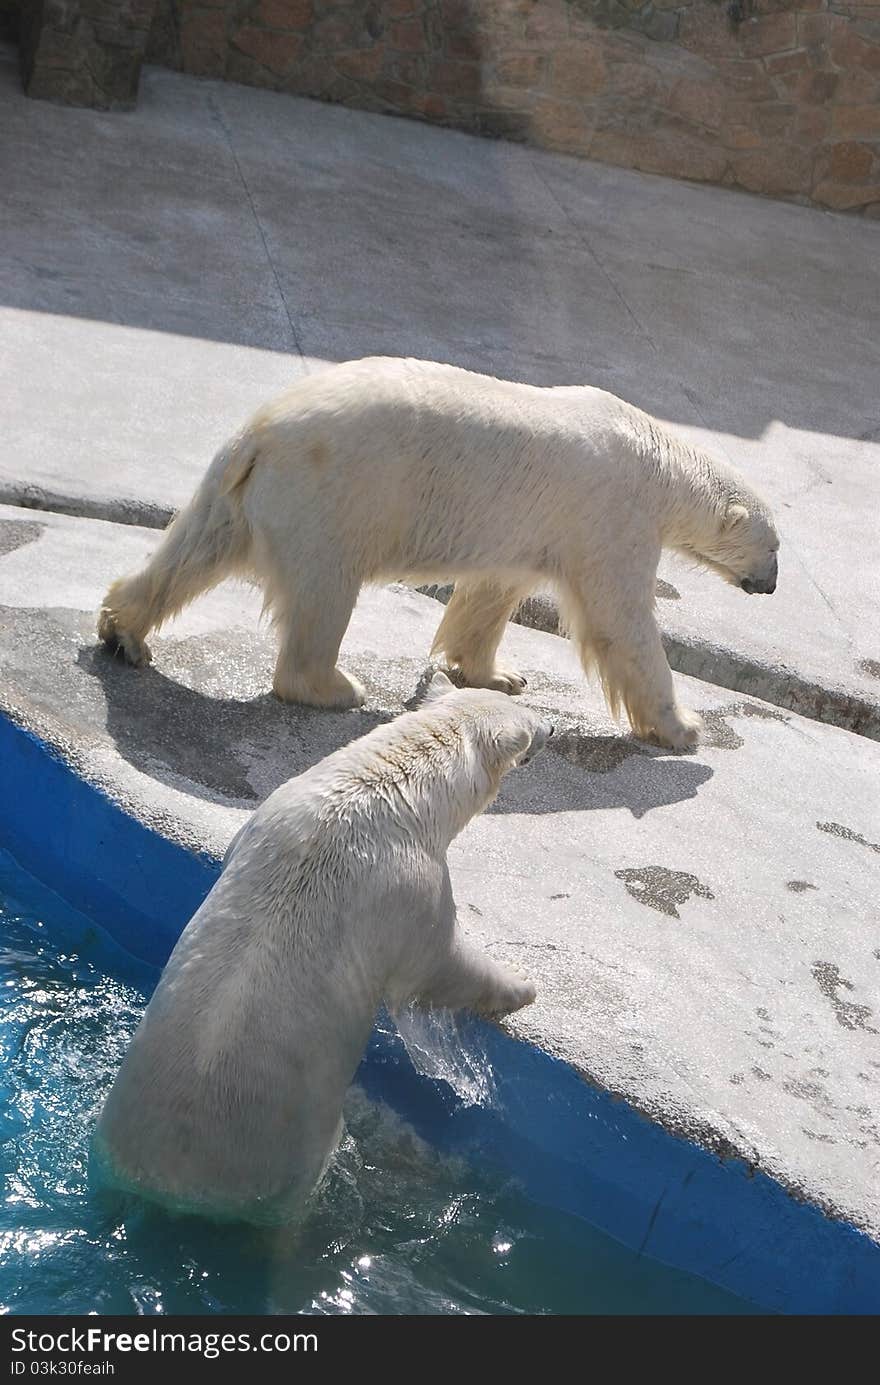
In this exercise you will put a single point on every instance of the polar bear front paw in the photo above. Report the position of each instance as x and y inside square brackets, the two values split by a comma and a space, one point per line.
[512, 992]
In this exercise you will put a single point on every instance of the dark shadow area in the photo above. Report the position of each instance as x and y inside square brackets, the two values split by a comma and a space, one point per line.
[229, 746]
[201, 719]
[579, 775]
[174, 733]
[18, 533]
[256, 219]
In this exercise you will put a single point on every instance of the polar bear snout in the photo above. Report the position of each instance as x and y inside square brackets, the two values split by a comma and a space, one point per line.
[542, 733]
[764, 585]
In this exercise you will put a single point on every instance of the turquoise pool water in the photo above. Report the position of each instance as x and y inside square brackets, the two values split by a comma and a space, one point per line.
[397, 1228]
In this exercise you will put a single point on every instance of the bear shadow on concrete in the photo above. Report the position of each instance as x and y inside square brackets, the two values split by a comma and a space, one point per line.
[238, 749]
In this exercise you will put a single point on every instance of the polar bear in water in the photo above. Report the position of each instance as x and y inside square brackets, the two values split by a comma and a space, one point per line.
[382, 469]
[334, 897]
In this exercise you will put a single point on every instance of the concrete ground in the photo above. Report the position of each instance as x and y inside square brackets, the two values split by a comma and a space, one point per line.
[163, 272]
[699, 927]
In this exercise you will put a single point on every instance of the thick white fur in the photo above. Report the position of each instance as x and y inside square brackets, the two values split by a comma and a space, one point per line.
[385, 468]
[334, 897]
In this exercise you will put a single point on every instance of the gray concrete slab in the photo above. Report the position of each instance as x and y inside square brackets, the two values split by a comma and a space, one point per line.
[700, 928]
[163, 271]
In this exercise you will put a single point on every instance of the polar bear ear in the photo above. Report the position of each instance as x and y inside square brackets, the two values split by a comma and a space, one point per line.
[511, 744]
[735, 515]
[438, 687]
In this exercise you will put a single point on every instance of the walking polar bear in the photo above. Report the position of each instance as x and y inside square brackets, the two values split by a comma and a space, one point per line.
[383, 468]
[334, 897]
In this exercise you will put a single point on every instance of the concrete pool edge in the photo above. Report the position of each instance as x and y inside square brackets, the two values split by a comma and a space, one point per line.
[596, 1157]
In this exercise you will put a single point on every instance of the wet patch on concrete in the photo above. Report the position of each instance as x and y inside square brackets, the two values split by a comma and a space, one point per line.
[662, 889]
[807, 1091]
[799, 886]
[666, 591]
[835, 829]
[869, 666]
[848, 1014]
[17, 533]
[721, 736]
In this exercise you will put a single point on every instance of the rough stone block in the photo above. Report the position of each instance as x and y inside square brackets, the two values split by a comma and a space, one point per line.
[782, 169]
[770, 34]
[701, 102]
[274, 51]
[561, 125]
[857, 121]
[848, 162]
[364, 64]
[810, 88]
[82, 53]
[845, 196]
[746, 78]
[204, 46]
[522, 69]
[408, 35]
[284, 14]
[460, 80]
[578, 73]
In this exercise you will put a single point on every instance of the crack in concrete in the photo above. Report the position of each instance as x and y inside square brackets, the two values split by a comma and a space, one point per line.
[218, 115]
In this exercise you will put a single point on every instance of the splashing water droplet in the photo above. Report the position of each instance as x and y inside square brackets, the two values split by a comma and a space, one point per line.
[447, 1049]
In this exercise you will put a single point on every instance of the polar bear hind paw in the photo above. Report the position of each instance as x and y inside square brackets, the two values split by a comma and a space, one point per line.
[679, 729]
[135, 651]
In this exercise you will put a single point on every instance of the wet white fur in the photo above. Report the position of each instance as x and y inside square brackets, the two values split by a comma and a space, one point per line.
[334, 897]
[383, 468]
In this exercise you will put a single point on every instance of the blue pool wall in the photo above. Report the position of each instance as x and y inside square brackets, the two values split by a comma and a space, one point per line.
[570, 1145]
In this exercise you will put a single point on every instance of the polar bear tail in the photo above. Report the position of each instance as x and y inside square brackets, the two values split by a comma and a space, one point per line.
[208, 539]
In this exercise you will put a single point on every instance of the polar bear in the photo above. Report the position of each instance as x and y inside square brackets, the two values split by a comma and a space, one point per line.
[382, 468]
[334, 897]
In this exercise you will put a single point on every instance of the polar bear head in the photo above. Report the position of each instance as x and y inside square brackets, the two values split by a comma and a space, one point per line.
[741, 546]
[504, 732]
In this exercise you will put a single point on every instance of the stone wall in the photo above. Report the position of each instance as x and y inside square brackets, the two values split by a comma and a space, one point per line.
[777, 96]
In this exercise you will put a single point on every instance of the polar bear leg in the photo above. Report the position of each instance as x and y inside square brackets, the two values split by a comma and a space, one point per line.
[471, 629]
[311, 631]
[469, 980]
[622, 641]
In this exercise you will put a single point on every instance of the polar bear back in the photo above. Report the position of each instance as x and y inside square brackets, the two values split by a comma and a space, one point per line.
[416, 465]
